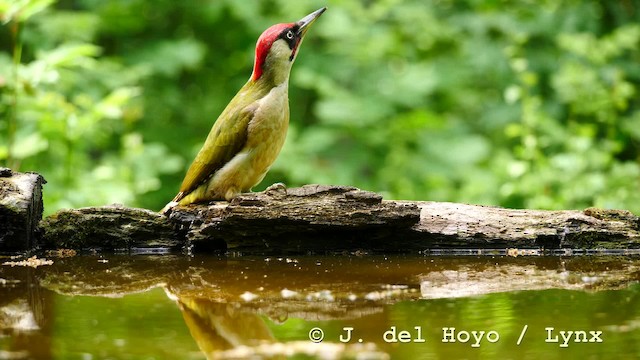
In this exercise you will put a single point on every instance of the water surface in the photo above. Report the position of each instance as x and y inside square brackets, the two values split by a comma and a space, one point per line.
[404, 307]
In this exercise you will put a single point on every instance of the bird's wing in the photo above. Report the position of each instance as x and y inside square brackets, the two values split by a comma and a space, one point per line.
[225, 140]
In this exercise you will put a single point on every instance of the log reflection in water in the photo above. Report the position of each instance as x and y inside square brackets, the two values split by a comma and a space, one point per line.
[228, 302]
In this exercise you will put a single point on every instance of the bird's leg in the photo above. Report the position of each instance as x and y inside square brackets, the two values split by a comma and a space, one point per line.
[277, 187]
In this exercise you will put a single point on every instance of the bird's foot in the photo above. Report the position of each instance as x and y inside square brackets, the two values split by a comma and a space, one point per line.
[276, 188]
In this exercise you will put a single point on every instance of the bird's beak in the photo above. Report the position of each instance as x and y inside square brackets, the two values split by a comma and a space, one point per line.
[306, 21]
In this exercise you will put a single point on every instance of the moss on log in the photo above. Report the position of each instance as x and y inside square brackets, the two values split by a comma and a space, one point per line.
[112, 227]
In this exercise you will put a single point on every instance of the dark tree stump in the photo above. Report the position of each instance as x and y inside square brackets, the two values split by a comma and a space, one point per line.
[20, 209]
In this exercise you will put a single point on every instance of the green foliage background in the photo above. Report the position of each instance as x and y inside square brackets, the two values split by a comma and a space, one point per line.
[514, 103]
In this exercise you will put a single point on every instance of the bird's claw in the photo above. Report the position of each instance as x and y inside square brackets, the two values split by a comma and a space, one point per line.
[276, 188]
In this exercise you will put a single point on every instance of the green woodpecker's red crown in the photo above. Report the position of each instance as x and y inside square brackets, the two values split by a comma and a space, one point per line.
[263, 46]
[291, 33]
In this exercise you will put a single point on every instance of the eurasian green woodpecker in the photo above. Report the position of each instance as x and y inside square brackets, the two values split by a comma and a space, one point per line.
[247, 137]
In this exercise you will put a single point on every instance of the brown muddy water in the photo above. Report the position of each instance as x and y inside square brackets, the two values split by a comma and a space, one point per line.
[341, 306]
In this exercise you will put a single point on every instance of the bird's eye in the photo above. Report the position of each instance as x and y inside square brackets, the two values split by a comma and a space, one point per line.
[289, 35]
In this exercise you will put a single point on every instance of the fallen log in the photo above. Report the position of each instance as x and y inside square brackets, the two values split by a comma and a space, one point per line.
[316, 218]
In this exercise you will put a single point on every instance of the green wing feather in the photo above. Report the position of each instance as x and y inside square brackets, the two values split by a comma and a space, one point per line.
[225, 140]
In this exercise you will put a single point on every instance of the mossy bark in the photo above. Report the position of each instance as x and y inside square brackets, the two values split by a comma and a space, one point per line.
[112, 227]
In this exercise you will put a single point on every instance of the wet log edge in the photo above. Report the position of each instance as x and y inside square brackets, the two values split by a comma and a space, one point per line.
[319, 218]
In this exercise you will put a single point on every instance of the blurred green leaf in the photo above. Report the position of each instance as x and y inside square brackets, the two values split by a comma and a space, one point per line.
[29, 145]
[21, 10]
[170, 57]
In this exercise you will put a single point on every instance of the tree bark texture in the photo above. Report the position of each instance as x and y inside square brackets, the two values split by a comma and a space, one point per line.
[20, 209]
[316, 218]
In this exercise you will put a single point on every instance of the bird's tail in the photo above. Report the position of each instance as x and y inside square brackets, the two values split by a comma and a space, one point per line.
[167, 208]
